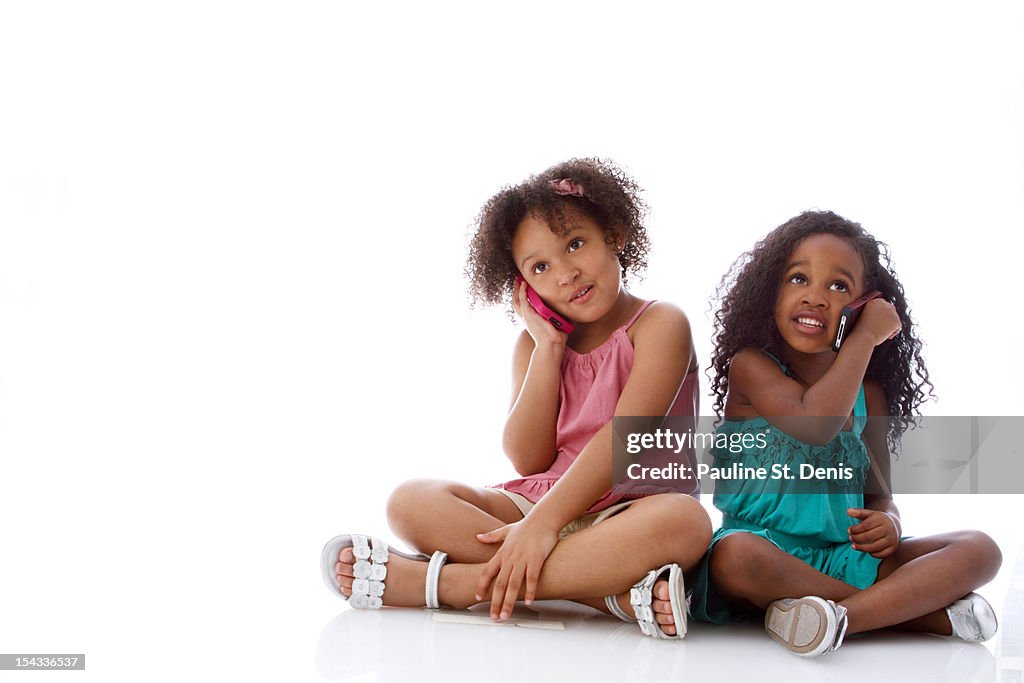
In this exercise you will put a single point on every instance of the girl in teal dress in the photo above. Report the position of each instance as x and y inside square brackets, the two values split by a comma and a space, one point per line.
[824, 557]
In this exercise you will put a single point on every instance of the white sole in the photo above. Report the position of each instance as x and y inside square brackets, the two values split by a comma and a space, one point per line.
[802, 626]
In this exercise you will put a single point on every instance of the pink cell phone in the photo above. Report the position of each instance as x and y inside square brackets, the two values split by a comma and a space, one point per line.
[848, 316]
[558, 321]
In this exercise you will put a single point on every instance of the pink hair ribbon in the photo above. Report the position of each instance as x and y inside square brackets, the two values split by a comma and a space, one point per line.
[565, 186]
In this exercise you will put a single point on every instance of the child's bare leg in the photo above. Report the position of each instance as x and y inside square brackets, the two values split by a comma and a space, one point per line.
[753, 572]
[603, 560]
[607, 559]
[921, 579]
[431, 514]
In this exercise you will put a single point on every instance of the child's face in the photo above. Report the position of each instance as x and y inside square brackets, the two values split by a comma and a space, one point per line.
[576, 274]
[823, 274]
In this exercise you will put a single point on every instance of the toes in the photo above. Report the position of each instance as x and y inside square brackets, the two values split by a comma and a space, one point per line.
[660, 604]
[344, 572]
[662, 608]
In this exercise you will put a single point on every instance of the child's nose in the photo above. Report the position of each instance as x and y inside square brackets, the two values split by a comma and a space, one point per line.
[814, 297]
[568, 275]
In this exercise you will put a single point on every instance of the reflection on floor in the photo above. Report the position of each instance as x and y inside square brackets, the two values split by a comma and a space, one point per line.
[403, 645]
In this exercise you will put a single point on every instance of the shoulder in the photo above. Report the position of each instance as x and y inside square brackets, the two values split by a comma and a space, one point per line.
[751, 369]
[874, 396]
[660, 317]
[749, 359]
[662, 334]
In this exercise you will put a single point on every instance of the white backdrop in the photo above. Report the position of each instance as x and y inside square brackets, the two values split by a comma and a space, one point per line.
[232, 238]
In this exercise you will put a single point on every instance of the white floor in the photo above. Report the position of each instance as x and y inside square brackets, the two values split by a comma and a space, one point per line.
[164, 587]
[401, 645]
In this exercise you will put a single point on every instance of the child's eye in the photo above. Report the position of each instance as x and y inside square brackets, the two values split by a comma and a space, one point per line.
[575, 244]
[797, 279]
[539, 268]
[839, 286]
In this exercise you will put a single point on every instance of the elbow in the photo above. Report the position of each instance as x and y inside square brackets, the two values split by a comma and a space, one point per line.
[817, 438]
[510, 447]
[523, 471]
[525, 461]
[525, 464]
[815, 431]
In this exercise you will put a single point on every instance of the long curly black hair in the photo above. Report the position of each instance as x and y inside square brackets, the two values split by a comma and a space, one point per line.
[610, 198]
[746, 314]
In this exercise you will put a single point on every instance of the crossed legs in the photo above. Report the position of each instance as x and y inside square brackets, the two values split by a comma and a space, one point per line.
[913, 587]
[605, 559]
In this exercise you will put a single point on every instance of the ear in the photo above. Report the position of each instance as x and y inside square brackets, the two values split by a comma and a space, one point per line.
[617, 241]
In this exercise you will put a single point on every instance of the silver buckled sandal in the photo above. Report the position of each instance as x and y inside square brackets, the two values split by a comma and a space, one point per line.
[972, 618]
[809, 626]
[370, 570]
[641, 596]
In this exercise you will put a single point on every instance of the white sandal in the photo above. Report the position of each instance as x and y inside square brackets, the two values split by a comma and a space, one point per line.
[972, 619]
[371, 568]
[641, 595]
[809, 627]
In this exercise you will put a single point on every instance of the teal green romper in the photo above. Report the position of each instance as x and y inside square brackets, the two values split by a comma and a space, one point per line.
[805, 518]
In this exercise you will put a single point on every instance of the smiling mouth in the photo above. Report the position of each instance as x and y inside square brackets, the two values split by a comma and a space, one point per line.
[810, 322]
[582, 292]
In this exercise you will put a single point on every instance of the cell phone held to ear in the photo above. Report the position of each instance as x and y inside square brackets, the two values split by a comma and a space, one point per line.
[538, 305]
[848, 316]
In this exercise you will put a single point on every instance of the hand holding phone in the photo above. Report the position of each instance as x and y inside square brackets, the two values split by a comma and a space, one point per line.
[538, 305]
[848, 316]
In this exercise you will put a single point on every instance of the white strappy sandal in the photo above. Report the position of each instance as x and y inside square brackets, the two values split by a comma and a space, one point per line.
[371, 568]
[641, 595]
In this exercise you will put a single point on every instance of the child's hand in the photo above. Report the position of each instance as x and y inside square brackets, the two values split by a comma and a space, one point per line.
[540, 329]
[876, 534]
[879, 321]
[525, 547]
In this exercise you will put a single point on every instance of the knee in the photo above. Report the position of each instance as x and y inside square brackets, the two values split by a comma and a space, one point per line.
[406, 504]
[694, 522]
[984, 551]
[738, 562]
[683, 527]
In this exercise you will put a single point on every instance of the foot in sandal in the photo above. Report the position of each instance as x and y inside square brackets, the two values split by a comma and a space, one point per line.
[369, 573]
[657, 603]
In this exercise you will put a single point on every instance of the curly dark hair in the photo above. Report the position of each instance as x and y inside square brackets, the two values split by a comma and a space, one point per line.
[610, 198]
[746, 314]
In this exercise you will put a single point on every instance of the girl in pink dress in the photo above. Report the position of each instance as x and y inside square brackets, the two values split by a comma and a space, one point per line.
[561, 530]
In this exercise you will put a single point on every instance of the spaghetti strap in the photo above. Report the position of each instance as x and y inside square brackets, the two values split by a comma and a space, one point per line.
[639, 312]
[781, 365]
[860, 412]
